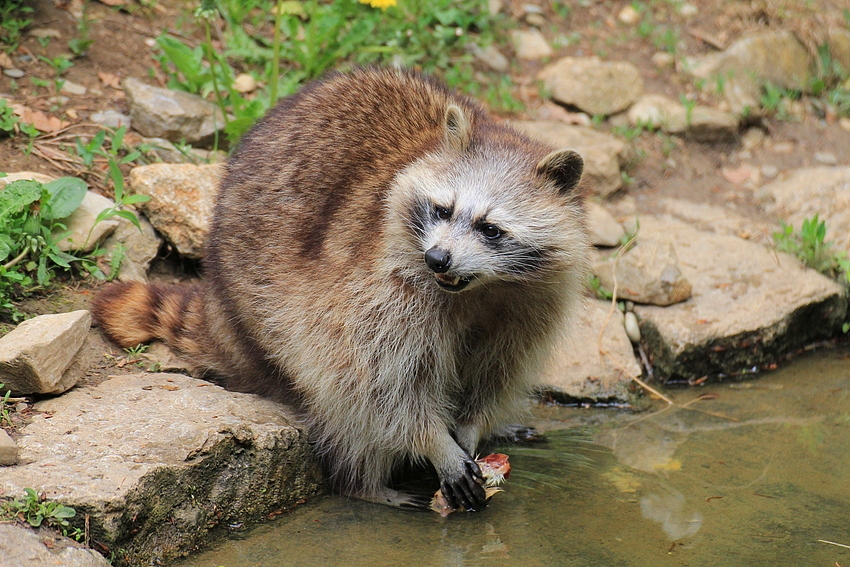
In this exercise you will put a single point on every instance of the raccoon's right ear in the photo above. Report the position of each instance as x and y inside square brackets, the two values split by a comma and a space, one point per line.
[564, 167]
[457, 129]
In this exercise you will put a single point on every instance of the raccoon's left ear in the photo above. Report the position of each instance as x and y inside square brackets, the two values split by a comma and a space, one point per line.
[564, 167]
[457, 130]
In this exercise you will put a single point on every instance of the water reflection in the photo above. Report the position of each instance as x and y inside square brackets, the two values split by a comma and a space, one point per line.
[752, 474]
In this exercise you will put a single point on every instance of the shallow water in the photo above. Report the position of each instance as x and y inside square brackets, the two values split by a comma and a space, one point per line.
[754, 475]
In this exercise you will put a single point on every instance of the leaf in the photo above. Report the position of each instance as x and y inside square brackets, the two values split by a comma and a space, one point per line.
[109, 80]
[62, 259]
[64, 512]
[66, 194]
[133, 199]
[17, 195]
[187, 61]
[130, 217]
[39, 120]
[118, 139]
[117, 180]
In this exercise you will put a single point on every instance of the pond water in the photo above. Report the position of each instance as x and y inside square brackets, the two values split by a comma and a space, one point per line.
[736, 474]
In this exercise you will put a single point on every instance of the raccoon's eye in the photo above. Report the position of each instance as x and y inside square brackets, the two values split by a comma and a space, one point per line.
[491, 231]
[443, 213]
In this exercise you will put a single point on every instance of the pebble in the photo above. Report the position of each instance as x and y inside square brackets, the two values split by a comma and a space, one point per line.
[688, 10]
[769, 171]
[663, 59]
[111, 119]
[244, 83]
[826, 158]
[536, 20]
[632, 328]
[530, 44]
[844, 123]
[14, 73]
[628, 15]
[73, 88]
[45, 32]
[752, 138]
[58, 99]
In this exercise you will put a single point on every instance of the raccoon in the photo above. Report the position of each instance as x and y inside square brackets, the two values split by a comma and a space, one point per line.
[392, 260]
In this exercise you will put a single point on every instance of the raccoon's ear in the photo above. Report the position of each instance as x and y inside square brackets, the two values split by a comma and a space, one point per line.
[564, 167]
[458, 131]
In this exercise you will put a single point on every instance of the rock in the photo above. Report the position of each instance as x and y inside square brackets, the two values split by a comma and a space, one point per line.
[244, 83]
[769, 171]
[169, 153]
[17, 176]
[628, 15]
[704, 124]
[490, 56]
[750, 305]
[649, 272]
[73, 88]
[844, 123]
[8, 449]
[537, 20]
[578, 370]
[182, 198]
[36, 354]
[530, 44]
[22, 547]
[158, 460]
[85, 234]
[630, 323]
[110, 119]
[173, 115]
[688, 10]
[603, 229]
[663, 59]
[776, 57]
[594, 86]
[601, 153]
[140, 248]
[45, 32]
[824, 191]
[720, 220]
[826, 158]
[13, 73]
[494, 6]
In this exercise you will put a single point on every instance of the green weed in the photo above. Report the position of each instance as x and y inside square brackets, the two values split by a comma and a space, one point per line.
[81, 43]
[809, 244]
[596, 287]
[36, 512]
[133, 353]
[12, 23]
[4, 407]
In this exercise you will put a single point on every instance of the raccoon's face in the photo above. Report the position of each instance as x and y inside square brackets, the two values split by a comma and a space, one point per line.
[486, 217]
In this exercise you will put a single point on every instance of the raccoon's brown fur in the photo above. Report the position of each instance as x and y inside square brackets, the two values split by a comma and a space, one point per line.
[392, 260]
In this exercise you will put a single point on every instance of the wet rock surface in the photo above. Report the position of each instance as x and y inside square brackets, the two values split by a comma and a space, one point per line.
[597, 362]
[158, 460]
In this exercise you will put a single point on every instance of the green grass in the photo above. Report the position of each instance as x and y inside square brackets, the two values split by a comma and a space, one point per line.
[13, 20]
[37, 512]
[809, 244]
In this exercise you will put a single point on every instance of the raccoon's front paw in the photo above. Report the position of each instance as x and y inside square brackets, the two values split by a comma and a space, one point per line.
[464, 488]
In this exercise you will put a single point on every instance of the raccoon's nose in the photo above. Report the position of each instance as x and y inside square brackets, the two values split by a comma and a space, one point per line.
[438, 260]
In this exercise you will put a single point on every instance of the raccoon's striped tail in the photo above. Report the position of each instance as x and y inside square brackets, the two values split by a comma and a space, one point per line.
[133, 313]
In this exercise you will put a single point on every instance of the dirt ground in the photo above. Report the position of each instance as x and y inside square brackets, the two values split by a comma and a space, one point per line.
[662, 166]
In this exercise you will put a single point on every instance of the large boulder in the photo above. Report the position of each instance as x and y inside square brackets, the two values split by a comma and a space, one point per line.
[158, 460]
[750, 305]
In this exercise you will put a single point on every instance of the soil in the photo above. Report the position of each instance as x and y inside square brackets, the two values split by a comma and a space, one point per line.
[661, 166]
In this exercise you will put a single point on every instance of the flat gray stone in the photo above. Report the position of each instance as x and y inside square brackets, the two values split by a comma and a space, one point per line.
[815, 190]
[111, 119]
[85, 234]
[750, 305]
[601, 153]
[173, 115]
[181, 201]
[704, 124]
[36, 354]
[592, 85]
[8, 449]
[20, 547]
[584, 368]
[157, 460]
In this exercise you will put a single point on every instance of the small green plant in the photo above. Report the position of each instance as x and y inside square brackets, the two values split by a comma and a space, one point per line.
[8, 119]
[773, 100]
[689, 105]
[809, 244]
[630, 132]
[134, 353]
[12, 23]
[4, 407]
[37, 511]
[81, 43]
[596, 287]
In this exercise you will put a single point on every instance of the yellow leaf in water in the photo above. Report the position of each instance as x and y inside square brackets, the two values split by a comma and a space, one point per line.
[671, 465]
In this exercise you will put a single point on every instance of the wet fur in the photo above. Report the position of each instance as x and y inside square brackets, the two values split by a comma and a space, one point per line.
[316, 291]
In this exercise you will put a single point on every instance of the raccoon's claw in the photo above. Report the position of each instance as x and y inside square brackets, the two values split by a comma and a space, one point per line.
[467, 489]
